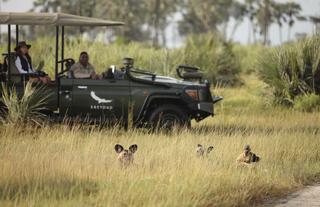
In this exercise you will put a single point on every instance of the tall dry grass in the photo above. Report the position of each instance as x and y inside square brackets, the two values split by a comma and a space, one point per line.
[59, 165]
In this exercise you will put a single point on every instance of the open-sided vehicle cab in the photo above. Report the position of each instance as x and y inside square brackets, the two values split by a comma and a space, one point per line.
[10, 75]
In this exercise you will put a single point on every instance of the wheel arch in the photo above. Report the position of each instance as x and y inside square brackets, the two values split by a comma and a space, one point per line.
[153, 101]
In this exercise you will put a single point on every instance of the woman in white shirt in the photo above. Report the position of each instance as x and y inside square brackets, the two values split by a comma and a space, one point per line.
[24, 63]
[23, 60]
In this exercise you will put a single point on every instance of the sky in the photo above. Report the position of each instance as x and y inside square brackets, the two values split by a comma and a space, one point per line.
[309, 7]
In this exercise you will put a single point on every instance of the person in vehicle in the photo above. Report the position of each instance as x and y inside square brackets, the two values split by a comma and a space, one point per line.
[83, 69]
[247, 157]
[23, 63]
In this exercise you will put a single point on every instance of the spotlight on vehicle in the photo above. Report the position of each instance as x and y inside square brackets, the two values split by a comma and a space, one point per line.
[128, 62]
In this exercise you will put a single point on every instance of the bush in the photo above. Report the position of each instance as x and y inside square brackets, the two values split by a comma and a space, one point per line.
[214, 56]
[25, 109]
[248, 56]
[292, 70]
[307, 103]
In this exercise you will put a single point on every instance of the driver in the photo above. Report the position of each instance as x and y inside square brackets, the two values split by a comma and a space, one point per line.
[83, 69]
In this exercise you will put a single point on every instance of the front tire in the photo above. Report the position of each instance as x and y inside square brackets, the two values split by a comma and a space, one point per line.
[168, 117]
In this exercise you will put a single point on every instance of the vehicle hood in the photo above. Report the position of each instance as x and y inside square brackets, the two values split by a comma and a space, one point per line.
[169, 80]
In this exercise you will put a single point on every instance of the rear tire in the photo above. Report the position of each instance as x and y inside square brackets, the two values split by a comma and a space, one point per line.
[168, 117]
[3, 110]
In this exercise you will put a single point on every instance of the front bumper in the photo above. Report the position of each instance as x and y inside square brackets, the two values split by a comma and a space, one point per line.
[216, 99]
[205, 109]
[208, 106]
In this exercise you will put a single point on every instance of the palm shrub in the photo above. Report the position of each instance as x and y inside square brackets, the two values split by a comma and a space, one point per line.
[292, 70]
[24, 109]
[214, 56]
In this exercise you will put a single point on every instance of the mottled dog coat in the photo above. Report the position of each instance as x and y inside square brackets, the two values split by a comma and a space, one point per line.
[126, 156]
[202, 151]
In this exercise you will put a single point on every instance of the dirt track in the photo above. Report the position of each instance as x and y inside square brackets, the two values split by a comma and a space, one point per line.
[307, 197]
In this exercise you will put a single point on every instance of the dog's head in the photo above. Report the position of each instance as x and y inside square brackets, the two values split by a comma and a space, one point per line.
[126, 155]
[202, 151]
[255, 158]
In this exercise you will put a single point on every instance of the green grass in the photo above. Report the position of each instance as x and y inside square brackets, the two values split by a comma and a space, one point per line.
[59, 165]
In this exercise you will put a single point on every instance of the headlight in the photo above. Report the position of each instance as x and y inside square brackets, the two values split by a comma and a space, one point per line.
[193, 93]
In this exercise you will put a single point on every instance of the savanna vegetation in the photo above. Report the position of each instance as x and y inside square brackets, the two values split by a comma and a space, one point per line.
[271, 101]
[61, 165]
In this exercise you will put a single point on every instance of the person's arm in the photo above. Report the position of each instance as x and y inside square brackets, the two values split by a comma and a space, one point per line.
[93, 73]
[19, 66]
[31, 70]
[92, 70]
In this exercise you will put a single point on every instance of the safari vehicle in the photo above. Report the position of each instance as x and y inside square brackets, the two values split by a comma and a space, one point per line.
[152, 100]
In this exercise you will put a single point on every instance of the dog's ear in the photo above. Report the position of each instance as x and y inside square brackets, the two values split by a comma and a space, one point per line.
[133, 148]
[256, 158]
[199, 146]
[209, 149]
[118, 148]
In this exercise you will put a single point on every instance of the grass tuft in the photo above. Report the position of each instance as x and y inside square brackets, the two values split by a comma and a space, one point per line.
[25, 109]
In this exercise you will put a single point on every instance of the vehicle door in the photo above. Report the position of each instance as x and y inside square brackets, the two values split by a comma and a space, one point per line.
[103, 99]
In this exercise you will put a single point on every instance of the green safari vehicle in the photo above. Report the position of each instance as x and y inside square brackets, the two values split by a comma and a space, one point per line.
[126, 93]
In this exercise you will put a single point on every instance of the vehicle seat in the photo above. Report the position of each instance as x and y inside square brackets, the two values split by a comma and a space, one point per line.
[15, 74]
[3, 75]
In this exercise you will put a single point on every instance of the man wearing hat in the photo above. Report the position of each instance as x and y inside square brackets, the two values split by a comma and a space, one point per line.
[247, 156]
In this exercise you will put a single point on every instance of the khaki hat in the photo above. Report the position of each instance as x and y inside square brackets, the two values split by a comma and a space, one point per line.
[22, 44]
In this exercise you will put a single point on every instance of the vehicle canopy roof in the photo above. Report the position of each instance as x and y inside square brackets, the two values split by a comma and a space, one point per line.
[55, 19]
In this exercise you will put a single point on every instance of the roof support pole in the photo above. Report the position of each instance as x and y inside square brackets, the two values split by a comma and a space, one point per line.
[62, 47]
[57, 64]
[9, 55]
[17, 35]
[57, 53]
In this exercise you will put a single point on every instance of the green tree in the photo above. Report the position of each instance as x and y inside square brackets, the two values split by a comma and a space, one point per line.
[132, 12]
[251, 8]
[238, 11]
[159, 13]
[77, 7]
[292, 11]
[203, 17]
[279, 13]
[265, 18]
